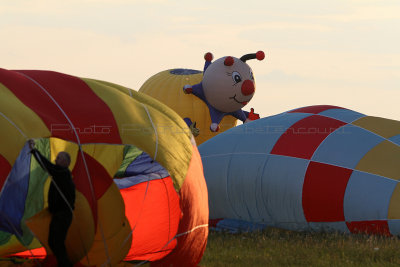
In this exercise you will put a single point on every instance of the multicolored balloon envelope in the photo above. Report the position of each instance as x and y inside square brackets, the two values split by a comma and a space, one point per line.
[151, 213]
[310, 169]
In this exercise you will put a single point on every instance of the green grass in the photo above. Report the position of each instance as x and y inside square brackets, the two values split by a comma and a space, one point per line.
[274, 247]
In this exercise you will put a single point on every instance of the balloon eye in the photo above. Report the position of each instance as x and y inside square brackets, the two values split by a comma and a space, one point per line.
[236, 77]
[251, 75]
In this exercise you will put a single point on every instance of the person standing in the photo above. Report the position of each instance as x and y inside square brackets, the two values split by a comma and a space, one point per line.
[61, 201]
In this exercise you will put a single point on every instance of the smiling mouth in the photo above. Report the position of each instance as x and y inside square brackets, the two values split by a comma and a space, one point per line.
[242, 103]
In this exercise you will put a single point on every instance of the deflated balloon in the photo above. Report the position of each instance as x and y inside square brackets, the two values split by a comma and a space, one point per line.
[95, 122]
[312, 169]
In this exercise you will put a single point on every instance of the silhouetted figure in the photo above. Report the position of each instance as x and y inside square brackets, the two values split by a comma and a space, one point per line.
[61, 199]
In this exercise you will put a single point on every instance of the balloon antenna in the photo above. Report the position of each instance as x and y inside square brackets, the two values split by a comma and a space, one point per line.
[259, 55]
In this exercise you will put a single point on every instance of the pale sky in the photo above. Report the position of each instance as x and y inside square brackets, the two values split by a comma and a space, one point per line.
[338, 52]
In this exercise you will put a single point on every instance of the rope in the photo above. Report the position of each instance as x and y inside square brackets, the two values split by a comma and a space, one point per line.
[13, 124]
[154, 128]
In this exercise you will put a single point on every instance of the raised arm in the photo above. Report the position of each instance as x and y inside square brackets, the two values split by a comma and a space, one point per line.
[42, 160]
[208, 57]
[197, 89]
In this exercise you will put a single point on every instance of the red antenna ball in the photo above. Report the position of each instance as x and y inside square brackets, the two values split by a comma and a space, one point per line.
[260, 55]
[229, 61]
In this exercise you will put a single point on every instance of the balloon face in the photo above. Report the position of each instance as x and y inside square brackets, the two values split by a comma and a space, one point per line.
[318, 168]
[226, 87]
[228, 84]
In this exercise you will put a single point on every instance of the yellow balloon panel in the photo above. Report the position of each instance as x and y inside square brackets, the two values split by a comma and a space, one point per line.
[384, 127]
[382, 160]
[167, 86]
[113, 236]
[17, 124]
[102, 153]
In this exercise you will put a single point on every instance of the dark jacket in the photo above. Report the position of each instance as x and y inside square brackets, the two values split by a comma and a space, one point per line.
[62, 178]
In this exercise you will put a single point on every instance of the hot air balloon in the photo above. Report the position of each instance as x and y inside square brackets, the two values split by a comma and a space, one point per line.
[99, 124]
[212, 102]
[317, 168]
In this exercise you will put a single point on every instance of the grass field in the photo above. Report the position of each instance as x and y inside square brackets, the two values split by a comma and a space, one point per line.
[274, 247]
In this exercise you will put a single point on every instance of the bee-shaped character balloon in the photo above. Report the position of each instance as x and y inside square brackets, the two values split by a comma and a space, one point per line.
[227, 86]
